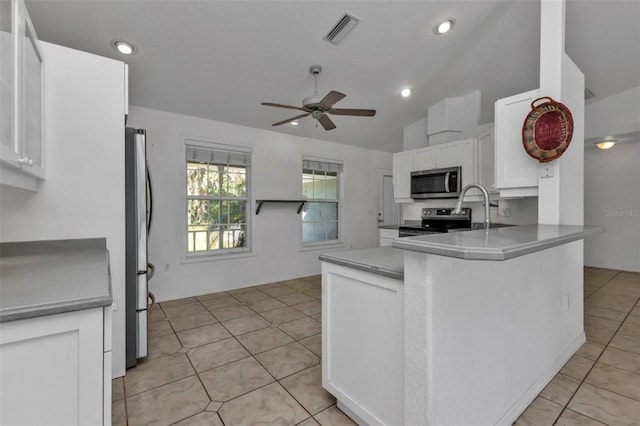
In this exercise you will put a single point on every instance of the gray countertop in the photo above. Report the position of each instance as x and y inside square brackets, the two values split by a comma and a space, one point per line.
[496, 244]
[386, 261]
[49, 277]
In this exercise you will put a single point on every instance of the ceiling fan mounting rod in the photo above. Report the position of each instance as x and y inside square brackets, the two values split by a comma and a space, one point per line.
[315, 70]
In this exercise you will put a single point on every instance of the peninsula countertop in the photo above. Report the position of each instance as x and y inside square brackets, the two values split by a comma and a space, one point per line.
[50, 277]
[496, 244]
[386, 261]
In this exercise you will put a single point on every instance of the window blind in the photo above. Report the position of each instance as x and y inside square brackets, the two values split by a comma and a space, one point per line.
[216, 155]
[321, 165]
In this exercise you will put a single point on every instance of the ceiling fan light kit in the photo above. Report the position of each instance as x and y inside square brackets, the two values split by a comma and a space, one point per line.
[318, 107]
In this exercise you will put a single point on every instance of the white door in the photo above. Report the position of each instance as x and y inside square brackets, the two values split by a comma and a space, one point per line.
[388, 210]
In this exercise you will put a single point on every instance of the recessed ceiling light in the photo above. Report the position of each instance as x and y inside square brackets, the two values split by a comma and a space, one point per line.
[294, 123]
[443, 26]
[124, 47]
[405, 93]
[606, 144]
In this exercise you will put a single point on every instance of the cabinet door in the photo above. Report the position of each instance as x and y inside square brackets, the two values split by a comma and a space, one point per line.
[52, 368]
[9, 150]
[514, 167]
[448, 155]
[402, 166]
[424, 159]
[31, 130]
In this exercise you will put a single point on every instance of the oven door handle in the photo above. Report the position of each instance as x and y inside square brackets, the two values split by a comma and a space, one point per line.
[446, 182]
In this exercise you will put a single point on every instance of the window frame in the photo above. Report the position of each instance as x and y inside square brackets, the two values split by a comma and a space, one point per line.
[315, 245]
[220, 254]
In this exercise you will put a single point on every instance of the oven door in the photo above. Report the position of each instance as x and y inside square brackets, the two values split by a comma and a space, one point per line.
[437, 183]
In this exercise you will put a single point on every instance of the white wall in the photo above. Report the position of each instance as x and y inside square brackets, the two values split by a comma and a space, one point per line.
[612, 200]
[611, 182]
[415, 135]
[276, 174]
[83, 194]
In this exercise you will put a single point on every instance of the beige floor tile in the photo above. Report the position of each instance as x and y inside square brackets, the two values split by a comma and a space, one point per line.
[251, 296]
[263, 305]
[184, 309]
[269, 405]
[117, 389]
[157, 372]
[202, 335]
[234, 379]
[263, 340]
[163, 345]
[211, 296]
[630, 329]
[604, 406]
[332, 416]
[288, 359]
[313, 343]
[599, 275]
[309, 422]
[316, 279]
[626, 342]
[216, 354]
[306, 388]
[247, 324]
[301, 328]
[571, 418]
[315, 293]
[159, 328]
[616, 302]
[615, 380]
[622, 286]
[279, 290]
[634, 316]
[560, 389]
[294, 298]
[577, 367]
[231, 312]
[167, 404]
[280, 315]
[317, 317]
[241, 290]
[118, 413]
[310, 308]
[303, 285]
[624, 360]
[156, 313]
[598, 335]
[221, 302]
[178, 302]
[540, 412]
[590, 350]
[603, 323]
[214, 406]
[201, 419]
[595, 311]
[187, 322]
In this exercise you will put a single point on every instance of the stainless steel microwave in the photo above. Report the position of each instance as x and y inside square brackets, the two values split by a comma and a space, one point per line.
[436, 183]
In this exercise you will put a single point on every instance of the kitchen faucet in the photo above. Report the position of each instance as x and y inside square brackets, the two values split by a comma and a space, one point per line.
[456, 210]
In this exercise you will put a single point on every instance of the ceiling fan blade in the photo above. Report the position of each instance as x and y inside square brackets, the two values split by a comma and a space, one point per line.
[358, 112]
[288, 120]
[331, 99]
[326, 122]
[283, 106]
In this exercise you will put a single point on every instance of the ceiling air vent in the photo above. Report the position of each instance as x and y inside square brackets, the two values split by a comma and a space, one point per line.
[340, 30]
[588, 94]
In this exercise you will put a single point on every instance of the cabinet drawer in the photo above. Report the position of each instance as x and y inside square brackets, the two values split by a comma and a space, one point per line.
[388, 233]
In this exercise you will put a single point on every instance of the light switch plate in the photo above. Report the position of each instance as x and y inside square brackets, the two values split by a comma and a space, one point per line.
[546, 170]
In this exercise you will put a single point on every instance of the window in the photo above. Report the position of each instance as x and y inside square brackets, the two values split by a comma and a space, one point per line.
[321, 186]
[217, 188]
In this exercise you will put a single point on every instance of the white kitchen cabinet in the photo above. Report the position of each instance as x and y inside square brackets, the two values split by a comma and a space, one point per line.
[424, 159]
[387, 236]
[449, 155]
[22, 155]
[54, 371]
[402, 166]
[516, 172]
[363, 343]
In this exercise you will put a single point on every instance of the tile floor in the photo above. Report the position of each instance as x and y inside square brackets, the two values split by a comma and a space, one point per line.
[252, 356]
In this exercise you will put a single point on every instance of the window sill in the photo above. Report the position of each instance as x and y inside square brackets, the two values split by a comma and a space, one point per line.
[322, 246]
[211, 257]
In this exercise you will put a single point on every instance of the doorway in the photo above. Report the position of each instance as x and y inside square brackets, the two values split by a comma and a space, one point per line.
[388, 210]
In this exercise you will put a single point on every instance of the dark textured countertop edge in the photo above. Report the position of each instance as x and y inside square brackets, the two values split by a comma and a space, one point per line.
[385, 261]
[13, 314]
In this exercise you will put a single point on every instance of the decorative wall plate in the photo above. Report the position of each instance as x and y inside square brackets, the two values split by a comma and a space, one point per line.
[547, 130]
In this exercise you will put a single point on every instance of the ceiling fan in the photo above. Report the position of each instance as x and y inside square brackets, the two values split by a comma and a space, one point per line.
[318, 107]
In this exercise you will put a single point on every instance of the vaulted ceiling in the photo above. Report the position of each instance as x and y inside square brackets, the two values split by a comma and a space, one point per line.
[220, 59]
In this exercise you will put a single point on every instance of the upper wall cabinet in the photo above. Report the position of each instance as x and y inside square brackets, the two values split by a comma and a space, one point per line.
[402, 166]
[22, 107]
[516, 171]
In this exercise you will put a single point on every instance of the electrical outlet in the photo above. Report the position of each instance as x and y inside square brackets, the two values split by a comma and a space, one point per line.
[546, 170]
[166, 267]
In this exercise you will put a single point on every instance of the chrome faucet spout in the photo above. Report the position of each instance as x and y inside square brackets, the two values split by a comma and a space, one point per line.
[485, 194]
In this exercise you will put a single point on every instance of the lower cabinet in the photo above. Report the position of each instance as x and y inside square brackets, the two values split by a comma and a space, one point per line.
[56, 369]
[363, 344]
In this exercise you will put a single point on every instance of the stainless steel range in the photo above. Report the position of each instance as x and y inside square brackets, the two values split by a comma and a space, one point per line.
[436, 220]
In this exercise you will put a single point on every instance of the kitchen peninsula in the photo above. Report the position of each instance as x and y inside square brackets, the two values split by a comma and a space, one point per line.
[457, 328]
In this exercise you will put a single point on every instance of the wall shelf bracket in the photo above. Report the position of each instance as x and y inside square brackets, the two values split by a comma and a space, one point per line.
[300, 203]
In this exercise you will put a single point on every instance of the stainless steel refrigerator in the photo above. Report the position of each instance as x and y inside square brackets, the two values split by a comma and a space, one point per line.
[138, 210]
